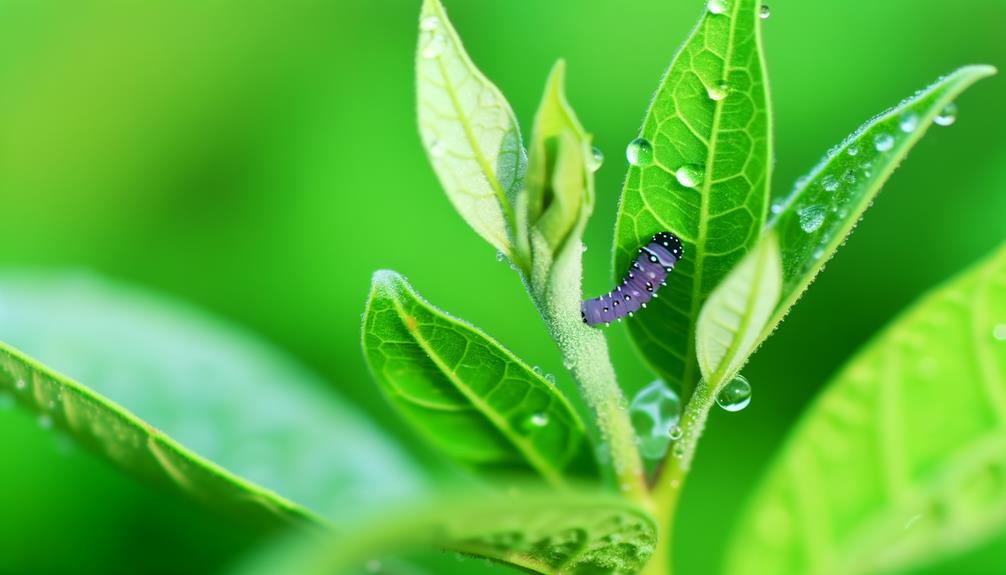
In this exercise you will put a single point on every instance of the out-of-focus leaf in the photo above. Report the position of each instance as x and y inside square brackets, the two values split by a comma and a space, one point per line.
[190, 402]
[559, 182]
[735, 314]
[824, 207]
[549, 533]
[471, 397]
[902, 460]
[709, 131]
[469, 130]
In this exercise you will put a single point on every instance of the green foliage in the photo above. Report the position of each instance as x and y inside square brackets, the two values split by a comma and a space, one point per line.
[901, 460]
[191, 403]
[471, 397]
[539, 532]
[469, 131]
[709, 127]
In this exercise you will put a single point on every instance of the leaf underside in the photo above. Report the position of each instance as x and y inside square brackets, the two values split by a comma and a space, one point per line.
[727, 140]
[472, 398]
[902, 460]
[538, 532]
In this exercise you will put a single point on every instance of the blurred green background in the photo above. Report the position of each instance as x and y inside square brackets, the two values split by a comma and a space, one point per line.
[260, 159]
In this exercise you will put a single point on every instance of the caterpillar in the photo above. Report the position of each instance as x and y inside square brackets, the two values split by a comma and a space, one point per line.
[648, 272]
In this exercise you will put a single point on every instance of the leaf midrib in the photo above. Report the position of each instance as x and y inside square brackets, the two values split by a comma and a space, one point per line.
[527, 450]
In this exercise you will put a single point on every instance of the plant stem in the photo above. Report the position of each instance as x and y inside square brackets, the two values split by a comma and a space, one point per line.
[555, 289]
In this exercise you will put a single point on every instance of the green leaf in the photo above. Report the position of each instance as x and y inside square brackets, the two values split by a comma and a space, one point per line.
[902, 460]
[468, 129]
[471, 397]
[710, 121]
[735, 314]
[824, 207]
[191, 403]
[539, 532]
[559, 181]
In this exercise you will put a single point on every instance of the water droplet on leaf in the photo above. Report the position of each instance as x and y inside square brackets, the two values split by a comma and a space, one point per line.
[434, 48]
[999, 332]
[811, 218]
[500, 256]
[690, 176]
[429, 23]
[764, 12]
[675, 433]
[852, 150]
[947, 116]
[20, 385]
[883, 142]
[717, 93]
[829, 183]
[717, 6]
[908, 122]
[639, 152]
[596, 159]
[437, 149]
[735, 395]
[655, 411]
[536, 421]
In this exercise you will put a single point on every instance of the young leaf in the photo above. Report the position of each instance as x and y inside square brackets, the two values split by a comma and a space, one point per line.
[824, 207]
[468, 129]
[168, 383]
[735, 314]
[559, 183]
[538, 532]
[471, 397]
[702, 173]
[902, 460]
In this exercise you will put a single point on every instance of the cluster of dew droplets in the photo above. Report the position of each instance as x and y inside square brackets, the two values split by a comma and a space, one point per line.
[655, 412]
[735, 395]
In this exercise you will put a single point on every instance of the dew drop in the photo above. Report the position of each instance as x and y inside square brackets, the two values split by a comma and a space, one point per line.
[655, 412]
[947, 116]
[811, 218]
[676, 433]
[883, 142]
[429, 24]
[639, 152]
[717, 93]
[550, 378]
[764, 12]
[536, 421]
[999, 332]
[596, 159]
[434, 48]
[852, 150]
[437, 149]
[735, 395]
[776, 207]
[537, 370]
[690, 175]
[717, 6]
[818, 253]
[500, 256]
[829, 183]
[908, 122]
[20, 385]
[679, 450]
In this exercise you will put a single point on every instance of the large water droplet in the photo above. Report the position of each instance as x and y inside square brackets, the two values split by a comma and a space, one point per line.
[429, 23]
[999, 332]
[639, 152]
[852, 150]
[690, 176]
[596, 159]
[947, 116]
[883, 142]
[735, 395]
[717, 6]
[829, 183]
[717, 93]
[908, 122]
[764, 12]
[655, 412]
[811, 218]
[434, 48]
[676, 433]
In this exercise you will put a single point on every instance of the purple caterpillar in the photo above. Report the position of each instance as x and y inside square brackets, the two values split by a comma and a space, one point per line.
[649, 271]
